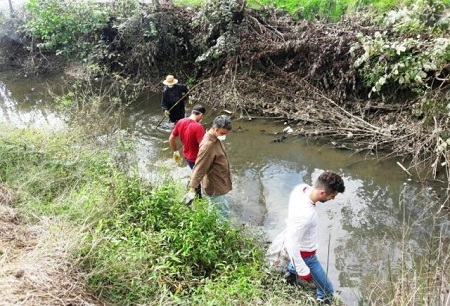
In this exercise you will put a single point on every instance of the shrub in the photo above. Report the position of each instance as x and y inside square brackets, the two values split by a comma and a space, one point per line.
[63, 26]
[155, 243]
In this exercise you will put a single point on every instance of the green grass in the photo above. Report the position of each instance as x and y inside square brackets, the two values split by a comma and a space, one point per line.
[46, 169]
[164, 245]
[331, 9]
[322, 9]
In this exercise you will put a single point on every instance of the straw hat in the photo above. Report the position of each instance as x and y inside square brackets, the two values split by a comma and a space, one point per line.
[170, 80]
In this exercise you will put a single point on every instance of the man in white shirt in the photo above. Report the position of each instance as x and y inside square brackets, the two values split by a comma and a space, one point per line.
[301, 233]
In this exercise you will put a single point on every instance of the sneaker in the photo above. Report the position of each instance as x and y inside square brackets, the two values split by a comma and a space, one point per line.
[324, 301]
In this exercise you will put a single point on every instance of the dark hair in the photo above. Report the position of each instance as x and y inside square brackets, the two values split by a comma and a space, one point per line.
[198, 109]
[331, 182]
[222, 121]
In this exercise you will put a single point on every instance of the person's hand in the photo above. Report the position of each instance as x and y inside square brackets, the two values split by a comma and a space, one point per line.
[306, 281]
[166, 112]
[189, 197]
[176, 157]
[307, 277]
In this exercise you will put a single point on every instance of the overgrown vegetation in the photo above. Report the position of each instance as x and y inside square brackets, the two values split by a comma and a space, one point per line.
[165, 245]
[63, 26]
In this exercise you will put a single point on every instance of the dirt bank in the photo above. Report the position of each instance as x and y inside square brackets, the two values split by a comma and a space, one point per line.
[36, 265]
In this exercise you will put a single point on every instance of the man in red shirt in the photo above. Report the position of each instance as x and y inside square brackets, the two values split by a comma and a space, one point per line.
[191, 132]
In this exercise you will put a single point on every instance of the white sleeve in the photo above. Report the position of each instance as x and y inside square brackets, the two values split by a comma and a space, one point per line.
[295, 231]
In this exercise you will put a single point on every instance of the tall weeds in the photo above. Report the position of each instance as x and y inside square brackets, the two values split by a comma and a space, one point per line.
[417, 275]
[165, 245]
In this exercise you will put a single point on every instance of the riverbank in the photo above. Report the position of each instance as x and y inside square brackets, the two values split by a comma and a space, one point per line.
[36, 265]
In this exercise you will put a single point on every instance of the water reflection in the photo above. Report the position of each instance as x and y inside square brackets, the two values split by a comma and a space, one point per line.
[362, 232]
[26, 107]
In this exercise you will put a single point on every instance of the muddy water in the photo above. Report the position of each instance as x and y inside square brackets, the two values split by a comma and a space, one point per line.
[361, 231]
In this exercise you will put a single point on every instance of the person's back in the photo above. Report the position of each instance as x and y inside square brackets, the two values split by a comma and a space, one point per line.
[191, 133]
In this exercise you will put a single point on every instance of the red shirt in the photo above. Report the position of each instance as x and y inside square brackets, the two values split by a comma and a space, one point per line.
[191, 134]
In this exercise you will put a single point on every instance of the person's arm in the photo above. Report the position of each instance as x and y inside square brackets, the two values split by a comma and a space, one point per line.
[173, 142]
[203, 162]
[164, 103]
[294, 233]
[185, 93]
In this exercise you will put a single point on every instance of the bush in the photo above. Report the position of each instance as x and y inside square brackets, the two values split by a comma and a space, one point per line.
[400, 60]
[63, 26]
[152, 243]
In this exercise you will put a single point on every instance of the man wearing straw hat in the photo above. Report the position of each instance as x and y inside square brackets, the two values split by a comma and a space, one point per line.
[173, 99]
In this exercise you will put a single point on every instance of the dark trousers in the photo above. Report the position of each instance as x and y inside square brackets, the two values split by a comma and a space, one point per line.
[198, 189]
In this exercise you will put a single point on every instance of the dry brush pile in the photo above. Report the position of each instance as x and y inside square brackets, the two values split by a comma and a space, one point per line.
[303, 72]
[35, 265]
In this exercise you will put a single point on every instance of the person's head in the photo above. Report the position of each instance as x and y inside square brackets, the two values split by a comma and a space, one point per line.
[170, 80]
[197, 112]
[221, 126]
[327, 186]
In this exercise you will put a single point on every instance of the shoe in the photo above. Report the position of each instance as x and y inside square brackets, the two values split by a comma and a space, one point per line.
[324, 301]
[290, 278]
[311, 285]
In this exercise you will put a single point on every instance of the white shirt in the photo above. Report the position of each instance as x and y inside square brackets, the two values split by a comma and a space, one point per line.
[301, 232]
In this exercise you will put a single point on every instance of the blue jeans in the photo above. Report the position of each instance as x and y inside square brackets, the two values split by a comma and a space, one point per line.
[221, 204]
[324, 286]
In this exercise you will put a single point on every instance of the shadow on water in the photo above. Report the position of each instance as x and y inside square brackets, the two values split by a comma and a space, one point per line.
[360, 231]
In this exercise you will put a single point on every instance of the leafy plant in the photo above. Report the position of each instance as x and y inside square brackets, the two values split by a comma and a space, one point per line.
[404, 62]
[155, 239]
[215, 22]
[61, 26]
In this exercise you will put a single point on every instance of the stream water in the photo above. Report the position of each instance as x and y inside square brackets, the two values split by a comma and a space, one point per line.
[362, 232]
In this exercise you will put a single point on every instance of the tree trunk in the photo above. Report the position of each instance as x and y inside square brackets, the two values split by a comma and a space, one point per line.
[11, 8]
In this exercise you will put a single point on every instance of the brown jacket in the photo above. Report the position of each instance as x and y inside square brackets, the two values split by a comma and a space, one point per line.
[211, 168]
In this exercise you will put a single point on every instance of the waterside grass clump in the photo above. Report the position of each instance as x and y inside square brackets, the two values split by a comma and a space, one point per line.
[152, 243]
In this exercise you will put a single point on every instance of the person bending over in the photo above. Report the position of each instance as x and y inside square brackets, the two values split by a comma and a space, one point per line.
[302, 230]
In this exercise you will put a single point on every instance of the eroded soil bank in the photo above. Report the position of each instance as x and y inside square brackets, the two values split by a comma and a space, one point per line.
[36, 267]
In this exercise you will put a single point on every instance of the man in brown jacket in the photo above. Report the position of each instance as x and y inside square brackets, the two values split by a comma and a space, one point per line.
[212, 168]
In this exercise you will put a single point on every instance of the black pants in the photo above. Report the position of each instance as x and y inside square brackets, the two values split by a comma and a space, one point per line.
[198, 189]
